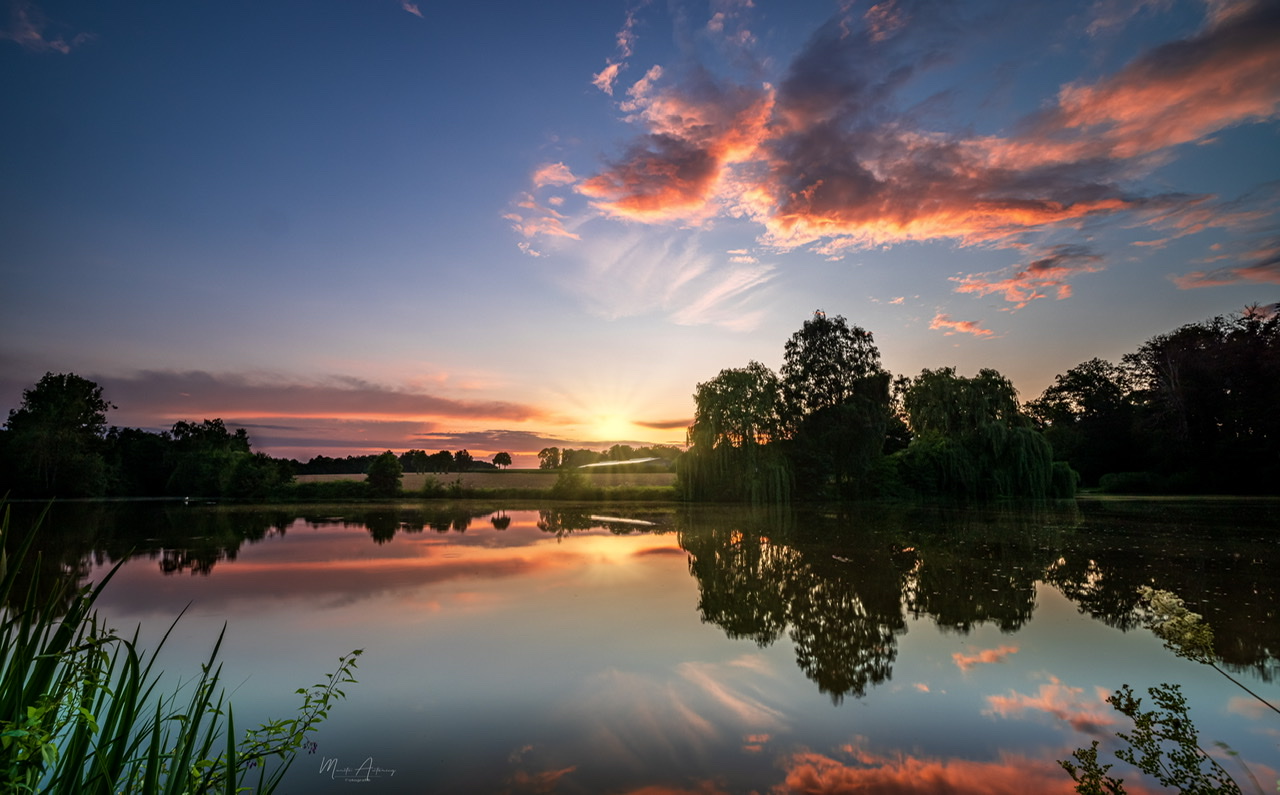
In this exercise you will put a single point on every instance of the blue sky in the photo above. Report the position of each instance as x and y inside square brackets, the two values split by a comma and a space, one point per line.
[352, 225]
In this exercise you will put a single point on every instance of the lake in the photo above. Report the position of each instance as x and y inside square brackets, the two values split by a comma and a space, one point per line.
[666, 649]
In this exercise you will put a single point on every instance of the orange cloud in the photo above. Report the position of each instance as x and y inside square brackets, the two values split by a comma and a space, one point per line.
[1050, 272]
[1060, 701]
[967, 661]
[823, 159]
[696, 131]
[1184, 90]
[944, 323]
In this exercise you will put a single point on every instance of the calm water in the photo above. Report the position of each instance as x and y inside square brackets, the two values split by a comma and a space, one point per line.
[607, 650]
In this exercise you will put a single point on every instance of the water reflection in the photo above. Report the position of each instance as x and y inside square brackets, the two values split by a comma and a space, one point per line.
[673, 649]
[841, 586]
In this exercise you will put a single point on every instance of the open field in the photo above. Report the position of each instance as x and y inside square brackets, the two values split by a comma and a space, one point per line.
[517, 479]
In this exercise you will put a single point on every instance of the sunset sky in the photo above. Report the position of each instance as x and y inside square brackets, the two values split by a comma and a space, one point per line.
[353, 225]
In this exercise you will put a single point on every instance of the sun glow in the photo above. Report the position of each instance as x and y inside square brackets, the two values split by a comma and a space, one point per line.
[613, 427]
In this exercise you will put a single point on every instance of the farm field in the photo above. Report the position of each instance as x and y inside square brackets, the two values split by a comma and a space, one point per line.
[517, 479]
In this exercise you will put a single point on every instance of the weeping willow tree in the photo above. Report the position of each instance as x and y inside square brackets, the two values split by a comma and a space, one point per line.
[733, 452]
[973, 440]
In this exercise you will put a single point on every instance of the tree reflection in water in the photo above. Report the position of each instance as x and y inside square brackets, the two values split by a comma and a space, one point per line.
[841, 586]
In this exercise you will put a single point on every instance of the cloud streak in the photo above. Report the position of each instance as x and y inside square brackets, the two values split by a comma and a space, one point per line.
[948, 327]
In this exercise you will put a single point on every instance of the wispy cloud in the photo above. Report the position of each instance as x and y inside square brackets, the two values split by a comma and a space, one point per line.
[945, 324]
[625, 40]
[634, 274]
[412, 8]
[1262, 267]
[28, 27]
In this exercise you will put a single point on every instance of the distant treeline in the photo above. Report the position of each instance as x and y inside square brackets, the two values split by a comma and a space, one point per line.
[410, 461]
[570, 458]
[1193, 410]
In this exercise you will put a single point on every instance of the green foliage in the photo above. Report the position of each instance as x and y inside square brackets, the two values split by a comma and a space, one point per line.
[971, 439]
[82, 713]
[570, 485]
[1164, 744]
[734, 453]
[384, 475]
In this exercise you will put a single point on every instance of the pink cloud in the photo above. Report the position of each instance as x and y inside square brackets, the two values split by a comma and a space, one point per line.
[944, 323]
[1049, 272]
[553, 174]
[1060, 701]
[967, 661]
[412, 8]
[605, 78]
[817, 774]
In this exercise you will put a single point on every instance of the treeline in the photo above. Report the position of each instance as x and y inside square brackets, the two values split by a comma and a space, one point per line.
[418, 461]
[570, 458]
[1191, 410]
[57, 444]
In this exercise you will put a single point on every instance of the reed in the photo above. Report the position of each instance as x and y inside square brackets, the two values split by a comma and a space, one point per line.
[81, 712]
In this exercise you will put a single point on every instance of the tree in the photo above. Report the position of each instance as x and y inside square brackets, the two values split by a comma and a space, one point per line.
[971, 439]
[462, 460]
[384, 475]
[415, 460]
[441, 461]
[1087, 415]
[55, 438]
[502, 459]
[823, 365]
[835, 405]
[1206, 396]
[733, 442]
[549, 458]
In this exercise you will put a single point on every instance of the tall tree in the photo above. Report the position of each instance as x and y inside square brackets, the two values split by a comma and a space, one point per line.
[835, 405]
[824, 363]
[502, 459]
[55, 438]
